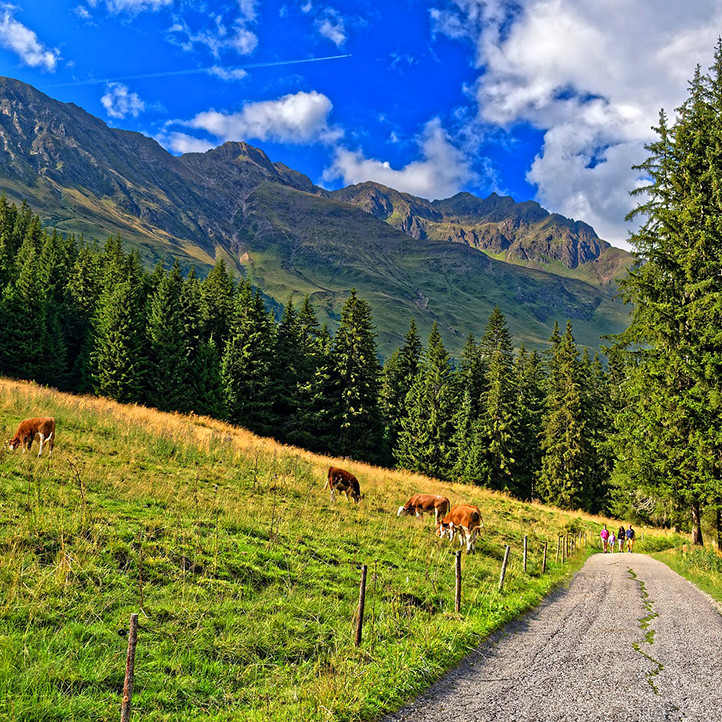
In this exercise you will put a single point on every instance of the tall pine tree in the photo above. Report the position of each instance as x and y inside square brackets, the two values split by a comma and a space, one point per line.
[425, 443]
[357, 372]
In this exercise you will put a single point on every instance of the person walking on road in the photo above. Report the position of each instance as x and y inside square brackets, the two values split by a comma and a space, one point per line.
[612, 541]
[630, 539]
[604, 534]
[621, 536]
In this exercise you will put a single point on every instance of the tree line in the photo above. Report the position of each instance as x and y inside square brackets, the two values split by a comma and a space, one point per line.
[92, 319]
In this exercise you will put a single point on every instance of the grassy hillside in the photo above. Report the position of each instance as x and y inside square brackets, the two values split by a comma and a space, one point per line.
[245, 574]
[293, 242]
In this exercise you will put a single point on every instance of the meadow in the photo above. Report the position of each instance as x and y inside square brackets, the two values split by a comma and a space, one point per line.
[245, 574]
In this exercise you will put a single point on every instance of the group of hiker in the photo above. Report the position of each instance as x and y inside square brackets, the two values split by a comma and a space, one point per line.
[609, 539]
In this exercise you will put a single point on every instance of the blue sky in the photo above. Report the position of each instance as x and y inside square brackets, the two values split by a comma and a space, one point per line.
[550, 100]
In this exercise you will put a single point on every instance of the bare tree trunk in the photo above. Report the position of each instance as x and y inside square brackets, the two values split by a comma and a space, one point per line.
[696, 524]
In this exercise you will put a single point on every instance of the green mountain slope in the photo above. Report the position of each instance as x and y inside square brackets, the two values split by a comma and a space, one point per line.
[274, 224]
[519, 233]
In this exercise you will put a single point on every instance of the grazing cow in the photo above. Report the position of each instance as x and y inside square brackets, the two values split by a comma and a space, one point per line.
[42, 429]
[464, 519]
[344, 482]
[430, 503]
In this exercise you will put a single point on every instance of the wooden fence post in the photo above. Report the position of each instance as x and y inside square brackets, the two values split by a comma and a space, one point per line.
[457, 596]
[557, 557]
[503, 567]
[129, 669]
[526, 543]
[361, 604]
[544, 559]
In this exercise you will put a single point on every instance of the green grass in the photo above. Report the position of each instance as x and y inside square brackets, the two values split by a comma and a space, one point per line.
[701, 565]
[248, 573]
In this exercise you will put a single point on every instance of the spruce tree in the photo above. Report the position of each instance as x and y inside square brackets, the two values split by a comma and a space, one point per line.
[205, 388]
[425, 443]
[495, 436]
[246, 362]
[288, 369]
[23, 336]
[564, 440]
[82, 293]
[668, 435]
[357, 372]
[530, 386]
[596, 404]
[316, 424]
[398, 375]
[168, 372]
[218, 294]
[118, 356]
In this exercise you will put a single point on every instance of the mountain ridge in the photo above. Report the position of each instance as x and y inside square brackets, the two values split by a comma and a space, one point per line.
[521, 233]
[275, 225]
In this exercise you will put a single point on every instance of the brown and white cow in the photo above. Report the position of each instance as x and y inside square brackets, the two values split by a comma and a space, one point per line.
[344, 482]
[41, 428]
[464, 520]
[419, 504]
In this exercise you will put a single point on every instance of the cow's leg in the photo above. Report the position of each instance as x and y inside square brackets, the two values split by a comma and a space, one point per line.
[469, 541]
[471, 547]
[419, 513]
[51, 443]
[41, 439]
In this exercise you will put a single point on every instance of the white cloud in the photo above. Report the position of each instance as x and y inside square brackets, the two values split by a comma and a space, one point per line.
[248, 9]
[220, 35]
[119, 102]
[133, 7]
[24, 42]
[592, 76]
[442, 172]
[301, 118]
[228, 73]
[83, 13]
[331, 27]
[183, 143]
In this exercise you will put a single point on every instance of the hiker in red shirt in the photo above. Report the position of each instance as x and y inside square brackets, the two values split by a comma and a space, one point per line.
[605, 536]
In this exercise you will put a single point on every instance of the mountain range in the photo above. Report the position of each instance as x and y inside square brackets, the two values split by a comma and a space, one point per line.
[449, 261]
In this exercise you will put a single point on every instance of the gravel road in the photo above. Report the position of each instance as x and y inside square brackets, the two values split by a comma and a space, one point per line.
[628, 640]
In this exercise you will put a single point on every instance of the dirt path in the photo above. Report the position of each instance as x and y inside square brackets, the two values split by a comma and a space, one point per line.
[629, 640]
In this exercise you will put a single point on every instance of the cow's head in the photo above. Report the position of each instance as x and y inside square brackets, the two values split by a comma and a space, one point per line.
[403, 511]
[14, 443]
[444, 530]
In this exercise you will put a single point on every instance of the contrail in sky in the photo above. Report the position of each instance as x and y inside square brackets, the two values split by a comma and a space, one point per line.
[193, 71]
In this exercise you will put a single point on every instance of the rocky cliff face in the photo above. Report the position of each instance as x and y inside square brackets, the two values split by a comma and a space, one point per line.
[522, 233]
